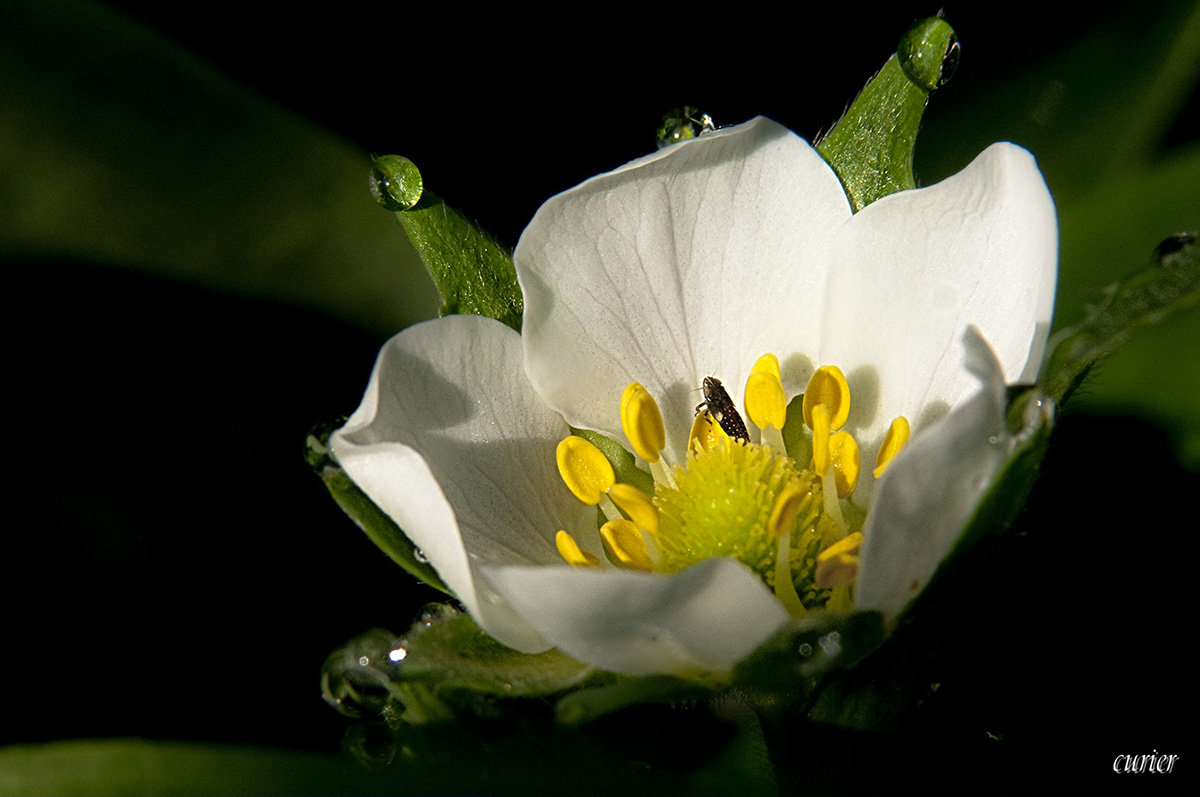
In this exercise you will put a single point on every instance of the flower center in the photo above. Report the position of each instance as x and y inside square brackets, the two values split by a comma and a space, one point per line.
[781, 508]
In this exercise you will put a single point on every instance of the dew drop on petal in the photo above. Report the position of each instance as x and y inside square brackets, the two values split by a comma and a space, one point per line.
[681, 124]
[356, 678]
[395, 182]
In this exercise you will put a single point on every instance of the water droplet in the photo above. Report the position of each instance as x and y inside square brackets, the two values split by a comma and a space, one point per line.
[929, 53]
[371, 744]
[420, 556]
[1173, 244]
[356, 679]
[831, 643]
[950, 61]
[395, 182]
[432, 614]
[805, 649]
[683, 123]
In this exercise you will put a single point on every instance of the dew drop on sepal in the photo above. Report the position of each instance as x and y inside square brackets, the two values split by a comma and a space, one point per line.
[395, 182]
[929, 53]
[432, 614]
[356, 678]
[681, 124]
[371, 744]
[1173, 244]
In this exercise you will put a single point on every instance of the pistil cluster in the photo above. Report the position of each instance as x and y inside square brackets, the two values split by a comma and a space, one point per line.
[782, 509]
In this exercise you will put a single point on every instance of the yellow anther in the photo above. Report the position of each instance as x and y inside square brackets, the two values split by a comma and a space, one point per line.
[837, 565]
[788, 503]
[569, 550]
[642, 422]
[822, 458]
[843, 450]
[765, 402]
[586, 472]
[626, 544]
[827, 387]
[897, 436]
[637, 505]
[705, 434]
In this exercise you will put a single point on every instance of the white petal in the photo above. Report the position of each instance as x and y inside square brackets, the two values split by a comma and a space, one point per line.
[451, 442]
[687, 263]
[705, 618]
[914, 270]
[924, 499]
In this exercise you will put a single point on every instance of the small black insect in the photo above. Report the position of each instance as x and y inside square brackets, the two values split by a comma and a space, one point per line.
[720, 406]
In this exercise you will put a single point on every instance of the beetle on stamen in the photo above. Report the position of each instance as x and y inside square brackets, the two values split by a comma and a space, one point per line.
[718, 404]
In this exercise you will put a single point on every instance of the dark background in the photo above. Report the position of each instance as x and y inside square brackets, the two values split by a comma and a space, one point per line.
[174, 571]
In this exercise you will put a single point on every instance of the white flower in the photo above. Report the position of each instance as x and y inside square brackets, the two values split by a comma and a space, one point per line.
[692, 262]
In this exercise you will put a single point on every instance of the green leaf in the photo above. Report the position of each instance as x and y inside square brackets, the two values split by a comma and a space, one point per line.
[132, 766]
[1145, 298]
[472, 272]
[871, 146]
[185, 175]
[380, 528]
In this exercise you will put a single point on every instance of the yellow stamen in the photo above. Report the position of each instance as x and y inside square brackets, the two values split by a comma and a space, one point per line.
[642, 422]
[637, 505]
[569, 550]
[827, 387]
[586, 472]
[788, 503]
[706, 433]
[819, 421]
[626, 544]
[766, 403]
[897, 436]
[843, 450]
[837, 565]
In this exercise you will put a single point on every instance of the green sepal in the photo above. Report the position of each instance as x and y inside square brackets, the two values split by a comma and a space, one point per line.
[871, 146]
[473, 273]
[587, 705]
[623, 463]
[380, 528]
[789, 667]
[1145, 298]
[449, 652]
[796, 440]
